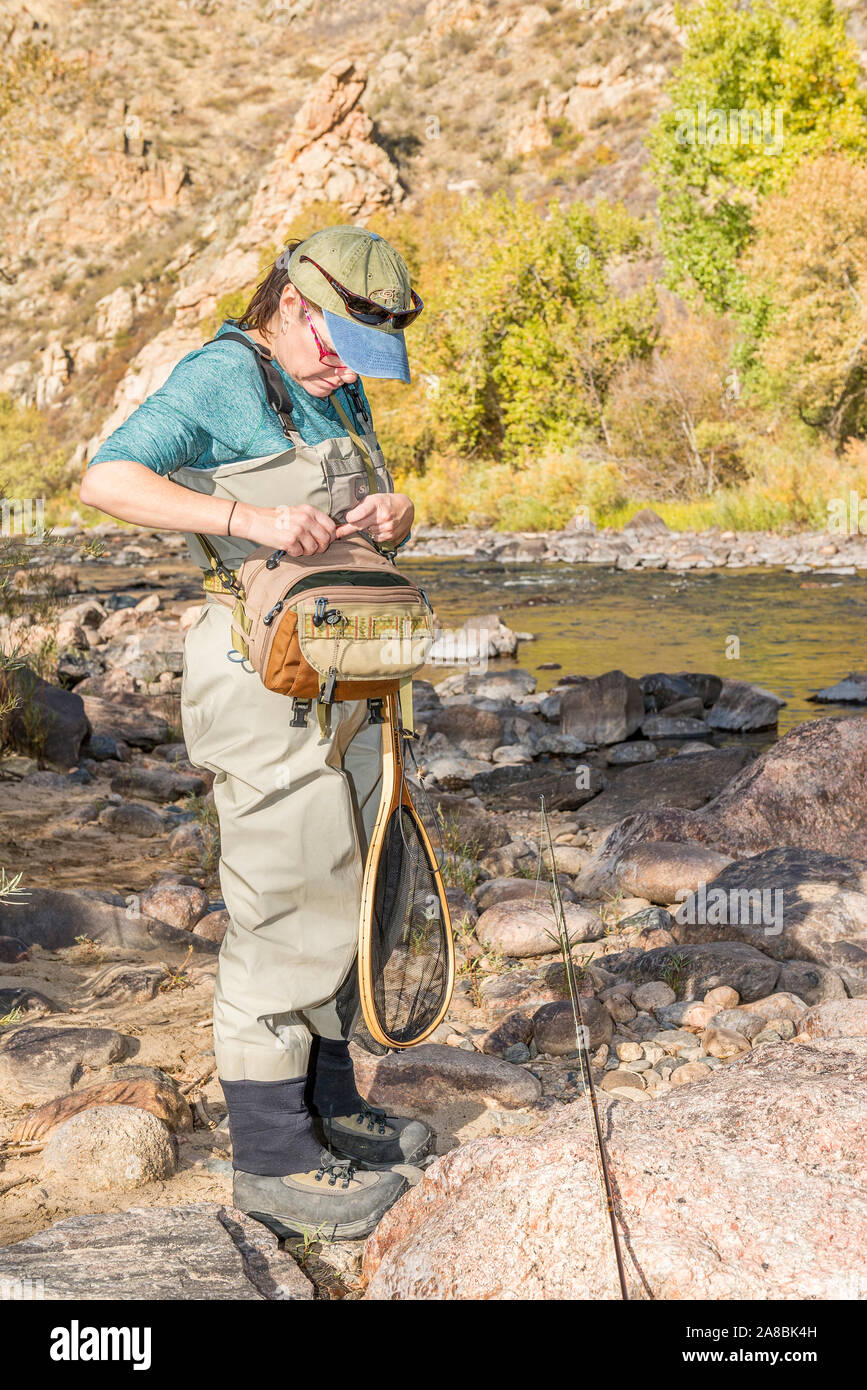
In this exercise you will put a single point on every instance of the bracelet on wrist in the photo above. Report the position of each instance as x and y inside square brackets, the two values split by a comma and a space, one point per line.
[229, 522]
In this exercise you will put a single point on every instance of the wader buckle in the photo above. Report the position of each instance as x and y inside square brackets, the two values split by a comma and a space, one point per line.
[376, 714]
[300, 711]
[227, 578]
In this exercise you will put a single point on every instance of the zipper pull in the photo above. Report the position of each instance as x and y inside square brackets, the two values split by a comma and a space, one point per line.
[272, 613]
[319, 611]
[326, 694]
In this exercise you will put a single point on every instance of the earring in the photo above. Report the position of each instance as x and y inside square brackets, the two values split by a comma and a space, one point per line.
[284, 324]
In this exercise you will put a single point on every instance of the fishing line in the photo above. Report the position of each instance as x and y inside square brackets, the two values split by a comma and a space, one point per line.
[582, 1034]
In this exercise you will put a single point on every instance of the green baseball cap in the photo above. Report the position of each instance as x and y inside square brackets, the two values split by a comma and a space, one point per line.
[364, 263]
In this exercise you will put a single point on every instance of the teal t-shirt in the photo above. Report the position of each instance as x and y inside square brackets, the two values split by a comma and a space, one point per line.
[212, 409]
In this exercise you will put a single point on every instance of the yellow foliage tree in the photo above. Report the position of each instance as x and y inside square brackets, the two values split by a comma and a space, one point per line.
[810, 260]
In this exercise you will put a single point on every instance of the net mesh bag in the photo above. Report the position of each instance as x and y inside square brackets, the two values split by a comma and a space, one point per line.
[409, 928]
[408, 944]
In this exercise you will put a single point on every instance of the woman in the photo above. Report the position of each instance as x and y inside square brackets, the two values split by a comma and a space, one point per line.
[244, 445]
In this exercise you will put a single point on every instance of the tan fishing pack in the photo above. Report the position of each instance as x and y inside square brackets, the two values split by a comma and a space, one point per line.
[340, 625]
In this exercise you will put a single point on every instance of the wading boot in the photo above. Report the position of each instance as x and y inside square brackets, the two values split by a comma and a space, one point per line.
[375, 1140]
[345, 1122]
[283, 1176]
[333, 1201]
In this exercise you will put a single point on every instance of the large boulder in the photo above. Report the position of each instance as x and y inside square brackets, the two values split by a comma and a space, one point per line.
[661, 689]
[813, 983]
[53, 919]
[741, 707]
[199, 1252]
[130, 718]
[527, 928]
[807, 791]
[41, 1061]
[46, 721]
[726, 1190]
[790, 903]
[111, 1148]
[693, 970]
[476, 731]
[554, 1026]
[647, 522]
[519, 788]
[665, 873]
[518, 989]
[851, 691]
[421, 1079]
[678, 782]
[603, 709]
[842, 1019]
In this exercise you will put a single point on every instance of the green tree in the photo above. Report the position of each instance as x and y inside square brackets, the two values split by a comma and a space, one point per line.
[787, 62]
[522, 336]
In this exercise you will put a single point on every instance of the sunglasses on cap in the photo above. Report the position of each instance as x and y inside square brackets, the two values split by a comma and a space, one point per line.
[365, 310]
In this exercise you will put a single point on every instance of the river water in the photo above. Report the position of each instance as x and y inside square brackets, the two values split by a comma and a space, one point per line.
[794, 633]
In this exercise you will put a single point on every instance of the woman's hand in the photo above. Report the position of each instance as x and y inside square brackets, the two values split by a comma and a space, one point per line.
[386, 516]
[303, 530]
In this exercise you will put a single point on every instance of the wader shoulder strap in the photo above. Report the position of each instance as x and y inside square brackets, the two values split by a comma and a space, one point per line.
[389, 551]
[280, 401]
[276, 392]
[407, 720]
[358, 442]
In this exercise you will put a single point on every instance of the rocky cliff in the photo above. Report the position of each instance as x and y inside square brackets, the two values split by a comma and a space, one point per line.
[151, 156]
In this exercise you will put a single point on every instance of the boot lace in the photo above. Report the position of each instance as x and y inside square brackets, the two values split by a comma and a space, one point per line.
[372, 1116]
[336, 1169]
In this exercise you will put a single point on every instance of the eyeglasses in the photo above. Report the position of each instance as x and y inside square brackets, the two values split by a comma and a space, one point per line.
[324, 352]
[366, 310]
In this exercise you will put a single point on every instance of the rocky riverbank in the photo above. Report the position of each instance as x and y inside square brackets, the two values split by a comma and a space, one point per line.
[645, 542]
[715, 889]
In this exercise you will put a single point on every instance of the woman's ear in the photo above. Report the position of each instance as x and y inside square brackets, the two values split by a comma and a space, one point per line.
[290, 301]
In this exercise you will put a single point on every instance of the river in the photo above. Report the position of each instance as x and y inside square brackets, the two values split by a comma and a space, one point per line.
[792, 633]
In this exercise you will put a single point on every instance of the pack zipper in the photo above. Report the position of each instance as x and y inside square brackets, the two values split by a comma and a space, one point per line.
[363, 578]
[362, 592]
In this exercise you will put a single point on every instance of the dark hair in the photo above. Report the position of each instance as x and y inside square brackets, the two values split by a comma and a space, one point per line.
[266, 298]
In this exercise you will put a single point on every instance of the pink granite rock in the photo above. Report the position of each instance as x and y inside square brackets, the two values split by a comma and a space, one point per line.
[728, 1189]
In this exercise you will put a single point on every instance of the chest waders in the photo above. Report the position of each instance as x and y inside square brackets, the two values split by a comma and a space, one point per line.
[296, 811]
